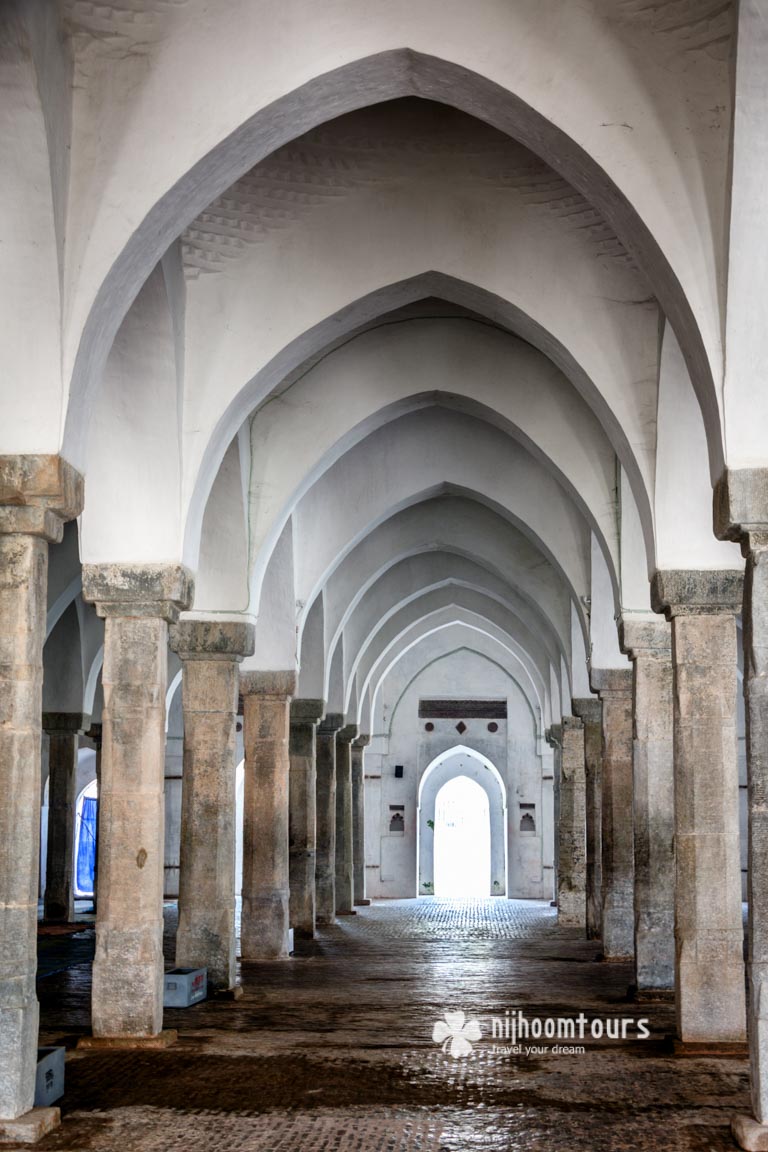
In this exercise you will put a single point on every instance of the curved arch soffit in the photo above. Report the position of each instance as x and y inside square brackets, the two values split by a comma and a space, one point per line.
[396, 608]
[474, 652]
[539, 691]
[370, 80]
[462, 750]
[92, 681]
[451, 550]
[298, 357]
[453, 402]
[173, 688]
[429, 494]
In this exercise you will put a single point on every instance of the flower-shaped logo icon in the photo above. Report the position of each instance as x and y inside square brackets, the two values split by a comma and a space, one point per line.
[456, 1034]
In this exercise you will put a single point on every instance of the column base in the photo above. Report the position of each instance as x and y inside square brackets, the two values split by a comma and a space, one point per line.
[163, 1039]
[30, 1127]
[233, 993]
[748, 1134]
[362, 903]
[650, 995]
[721, 1048]
[346, 912]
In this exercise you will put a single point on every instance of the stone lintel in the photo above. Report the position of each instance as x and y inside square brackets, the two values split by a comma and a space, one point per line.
[740, 503]
[331, 723]
[280, 683]
[136, 590]
[572, 724]
[307, 711]
[645, 638]
[212, 639]
[65, 722]
[604, 680]
[347, 734]
[553, 735]
[697, 592]
[361, 741]
[31, 520]
[41, 481]
[588, 708]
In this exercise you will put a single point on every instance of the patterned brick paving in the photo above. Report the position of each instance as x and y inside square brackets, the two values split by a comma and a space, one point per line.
[333, 1052]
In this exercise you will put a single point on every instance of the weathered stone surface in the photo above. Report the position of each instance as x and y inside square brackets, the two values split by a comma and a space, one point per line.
[709, 936]
[345, 896]
[755, 636]
[697, 592]
[325, 864]
[23, 585]
[302, 823]
[615, 688]
[749, 1135]
[206, 932]
[572, 855]
[212, 639]
[266, 885]
[128, 966]
[740, 502]
[133, 590]
[648, 644]
[30, 1127]
[41, 481]
[63, 741]
[358, 817]
[590, 711]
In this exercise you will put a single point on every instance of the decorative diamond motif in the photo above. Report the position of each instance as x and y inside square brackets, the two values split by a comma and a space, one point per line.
[461, 727]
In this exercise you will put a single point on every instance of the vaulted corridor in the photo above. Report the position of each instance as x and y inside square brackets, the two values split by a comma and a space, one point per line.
[334, 1050]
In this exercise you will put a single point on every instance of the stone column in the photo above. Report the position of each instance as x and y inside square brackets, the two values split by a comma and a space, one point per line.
[325, 870]
[358, 818]
[210, 654]
[94, 734]
[614, 686]
[709, 936]
[302, 814]
[572, 855]
[553, 737]
[266, 884]
[64, 729]
[648, 643]
[37, 494]
[137, 604]
[590, 711]
[345, 897]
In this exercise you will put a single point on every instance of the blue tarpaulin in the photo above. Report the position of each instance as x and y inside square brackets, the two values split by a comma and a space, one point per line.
[86, 846]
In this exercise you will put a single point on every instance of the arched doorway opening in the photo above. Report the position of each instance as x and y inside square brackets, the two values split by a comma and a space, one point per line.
[462, 838]
[462, 835]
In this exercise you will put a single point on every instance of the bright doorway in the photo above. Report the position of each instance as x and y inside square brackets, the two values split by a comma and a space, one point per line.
[462, 840]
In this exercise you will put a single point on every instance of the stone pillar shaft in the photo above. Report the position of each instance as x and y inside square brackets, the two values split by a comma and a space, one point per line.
[345, 897]
[571, 866]
[63, 741]
[648, 643]
[266, 884]
[589, 710]
[755, 632]
[615, 688]
[210, 653]
[708, 927]
[325, 870]
[37, 494]
[302, 824]
[358, 818]
[137, 604]
[23, 581]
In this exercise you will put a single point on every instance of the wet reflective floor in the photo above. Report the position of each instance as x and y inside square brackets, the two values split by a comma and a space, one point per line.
[333, 1050]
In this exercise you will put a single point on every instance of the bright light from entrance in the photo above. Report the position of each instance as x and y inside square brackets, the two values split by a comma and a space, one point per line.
[462, 840]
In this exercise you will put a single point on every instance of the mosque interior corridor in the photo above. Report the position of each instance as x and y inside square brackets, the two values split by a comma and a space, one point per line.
[333, 1051]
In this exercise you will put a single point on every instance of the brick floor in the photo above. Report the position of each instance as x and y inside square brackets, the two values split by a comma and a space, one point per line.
[332, 1051]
